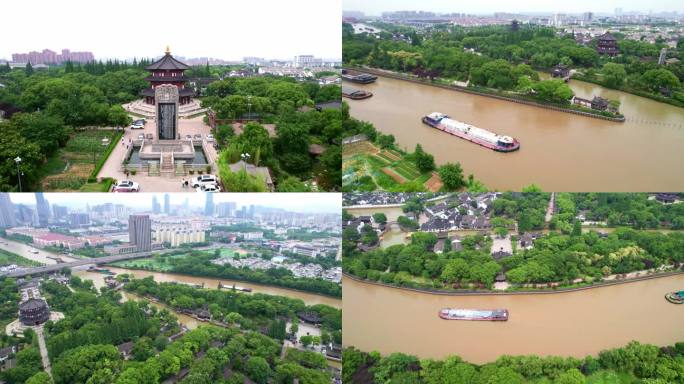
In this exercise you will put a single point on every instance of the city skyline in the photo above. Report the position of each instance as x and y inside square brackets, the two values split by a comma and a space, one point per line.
[292, 202]
[308, 27]
[375, 8]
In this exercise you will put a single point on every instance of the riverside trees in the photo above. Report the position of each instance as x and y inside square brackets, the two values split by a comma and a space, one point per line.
[634, 362]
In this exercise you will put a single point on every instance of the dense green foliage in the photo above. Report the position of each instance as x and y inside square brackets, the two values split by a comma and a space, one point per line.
[53, 103]
[502, 58]
[635, 361]
[254, 309]
[564, 256]
[277, 100]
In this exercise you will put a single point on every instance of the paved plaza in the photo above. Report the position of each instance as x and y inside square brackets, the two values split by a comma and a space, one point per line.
[164, 183]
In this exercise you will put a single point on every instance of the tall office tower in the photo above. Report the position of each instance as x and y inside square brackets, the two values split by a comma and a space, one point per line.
[167, 203]
[156, 208]
[140, 232]
[251, 211]
[43, 209]
[209, 205]
[7, 218]
[59, 212]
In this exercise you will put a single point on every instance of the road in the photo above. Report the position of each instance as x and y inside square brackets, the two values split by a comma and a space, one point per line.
[80, 262]
[551, 208]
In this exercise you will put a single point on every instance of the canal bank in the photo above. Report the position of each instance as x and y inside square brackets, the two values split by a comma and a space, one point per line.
[559, 151]
[486, 93]
[211, 283]
[579, 323]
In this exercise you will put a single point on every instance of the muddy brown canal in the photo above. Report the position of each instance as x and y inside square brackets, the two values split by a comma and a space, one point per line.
[384, 319]
[559, 151]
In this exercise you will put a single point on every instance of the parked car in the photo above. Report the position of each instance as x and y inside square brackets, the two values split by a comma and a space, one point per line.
[141, 136]
[197, 137]
[203, 180]
[188, 137]
[208, 188]
[138, 124]
[210, 137]
[127, 186]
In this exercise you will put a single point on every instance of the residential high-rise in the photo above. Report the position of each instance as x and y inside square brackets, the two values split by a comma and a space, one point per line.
[43, 209]
[156, 208]
[209, 205]
[7, 218]
[78, 219]
[167, 204]
[140, 232]
[251, 211]
[225, 209]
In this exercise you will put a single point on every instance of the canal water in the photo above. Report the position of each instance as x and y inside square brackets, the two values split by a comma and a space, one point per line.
[308, 298]
[559, 151]
[384, 319]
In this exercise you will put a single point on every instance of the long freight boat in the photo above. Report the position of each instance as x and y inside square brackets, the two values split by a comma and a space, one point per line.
[355, 94]
[471, 133]
[362, 78]
[474, 314]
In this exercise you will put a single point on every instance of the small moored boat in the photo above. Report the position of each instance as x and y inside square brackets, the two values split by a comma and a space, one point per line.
[675, 297]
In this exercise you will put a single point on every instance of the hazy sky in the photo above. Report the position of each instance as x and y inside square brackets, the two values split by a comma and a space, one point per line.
[375, 7]
[193, 28]
[293, 202]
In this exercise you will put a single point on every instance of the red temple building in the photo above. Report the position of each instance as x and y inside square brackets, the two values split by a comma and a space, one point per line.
[167, 70]
[607, 45]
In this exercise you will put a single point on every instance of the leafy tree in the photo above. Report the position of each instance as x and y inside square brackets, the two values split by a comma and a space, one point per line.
[613, 74]
[452, 176]
[258, 369]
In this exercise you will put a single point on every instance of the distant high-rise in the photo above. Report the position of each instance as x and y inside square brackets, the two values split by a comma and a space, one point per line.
[43, 209]
[51, 57]
[209, 205]
[78, 219]
[588, 16]
[167, 204]
[7, 218]
[156, 208]
[251, 211]
[59, 211]
[225, 209]
[140, 232]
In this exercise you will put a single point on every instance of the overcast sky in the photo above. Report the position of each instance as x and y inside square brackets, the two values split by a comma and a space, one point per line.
[375, 7]
[192, 28]
[293, 202]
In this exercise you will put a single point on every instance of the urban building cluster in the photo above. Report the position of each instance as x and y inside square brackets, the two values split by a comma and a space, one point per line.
[310, 270]
[463, 211]
[47, 56]
[383, 198]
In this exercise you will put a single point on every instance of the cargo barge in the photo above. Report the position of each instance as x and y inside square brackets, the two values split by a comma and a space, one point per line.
[471, 133]
[234, 287]
[675, 297]
[361, 78]
[474, 314]
[355, 94]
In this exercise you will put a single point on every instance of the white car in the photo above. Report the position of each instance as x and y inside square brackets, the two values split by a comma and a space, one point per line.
[210, 137]
[139, 124]
[208, 188]
[127, 186]
[141, 136]
[203, 180]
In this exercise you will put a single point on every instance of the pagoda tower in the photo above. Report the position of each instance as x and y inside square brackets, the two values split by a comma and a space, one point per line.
[167, 70]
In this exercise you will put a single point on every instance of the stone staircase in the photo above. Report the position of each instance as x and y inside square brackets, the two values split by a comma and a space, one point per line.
[167, 162]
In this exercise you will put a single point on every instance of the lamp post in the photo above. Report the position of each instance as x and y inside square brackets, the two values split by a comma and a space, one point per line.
[249, 107]
[244, 157]
[18, 161]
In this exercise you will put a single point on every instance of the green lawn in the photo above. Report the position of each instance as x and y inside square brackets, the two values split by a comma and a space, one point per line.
[7, 258]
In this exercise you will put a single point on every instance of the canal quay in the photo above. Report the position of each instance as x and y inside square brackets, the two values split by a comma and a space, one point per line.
[559, 151]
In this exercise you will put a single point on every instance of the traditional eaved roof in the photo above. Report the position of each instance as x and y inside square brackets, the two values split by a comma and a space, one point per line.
[607, 36]
[167, 62]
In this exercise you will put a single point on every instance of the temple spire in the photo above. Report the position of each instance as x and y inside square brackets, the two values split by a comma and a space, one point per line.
[168, 50]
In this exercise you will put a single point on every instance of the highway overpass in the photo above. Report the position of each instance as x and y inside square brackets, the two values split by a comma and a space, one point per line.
[95, 260]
